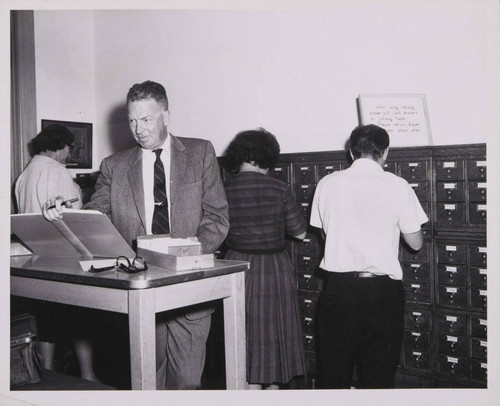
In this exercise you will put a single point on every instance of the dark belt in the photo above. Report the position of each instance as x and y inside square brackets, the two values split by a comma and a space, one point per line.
[357, 275]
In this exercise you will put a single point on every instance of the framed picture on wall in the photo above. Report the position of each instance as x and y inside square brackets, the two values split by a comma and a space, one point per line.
[403, 116]
[81, 156]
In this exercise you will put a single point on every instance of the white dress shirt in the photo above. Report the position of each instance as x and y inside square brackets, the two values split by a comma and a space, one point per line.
[363, 210]
[148, 161]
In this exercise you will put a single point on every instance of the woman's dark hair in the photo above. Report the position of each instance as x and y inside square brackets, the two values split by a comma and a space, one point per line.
[147, 90]
[369, 140]
[52, 138]
[259, 146]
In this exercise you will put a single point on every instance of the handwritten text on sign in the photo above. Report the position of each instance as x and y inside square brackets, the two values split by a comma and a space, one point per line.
[403, 117]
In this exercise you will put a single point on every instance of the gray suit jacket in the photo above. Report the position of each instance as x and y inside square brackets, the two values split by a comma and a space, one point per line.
[198, 205]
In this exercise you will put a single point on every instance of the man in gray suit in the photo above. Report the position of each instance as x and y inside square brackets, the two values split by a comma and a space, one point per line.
[197, 207]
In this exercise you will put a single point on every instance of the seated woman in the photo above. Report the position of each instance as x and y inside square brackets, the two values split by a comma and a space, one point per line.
[261, 211]
[45, 176]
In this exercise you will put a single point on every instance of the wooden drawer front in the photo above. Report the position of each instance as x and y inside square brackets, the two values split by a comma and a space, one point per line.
[450, 192]
[305, 207]
[478, 277]
[452, 274]
[450, 170]
[308, 245]
[414, 170]
[417, 319]
[421, 190]
[307, 304]
[453, 345]
[450, 213]
[452, 296]
[478, 299]
[451, 324]
[477, 213]
[304, 192]
[416, 271]
[479, 327]
[307, 281]
[479, 349]
[416, 359]
[327, 168]
[391, 167]
[417, 340]
[477, 191]
[307, 263]
[422, 255]
[308, 325]
[452, 366]
[451, 253]
[417, 292]
[479, 370]
[476, 169]
[304, 174]
[309, 342]
[478, 255]
[281, 172]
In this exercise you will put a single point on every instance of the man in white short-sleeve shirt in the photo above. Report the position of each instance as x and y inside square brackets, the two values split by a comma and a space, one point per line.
[363, 211]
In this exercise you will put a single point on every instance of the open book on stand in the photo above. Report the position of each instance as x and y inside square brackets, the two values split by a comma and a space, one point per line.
[79, 234]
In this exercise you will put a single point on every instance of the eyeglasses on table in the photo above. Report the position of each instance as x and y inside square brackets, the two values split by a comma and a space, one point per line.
[122, 263]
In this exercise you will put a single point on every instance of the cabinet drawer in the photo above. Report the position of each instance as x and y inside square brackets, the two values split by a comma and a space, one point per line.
[308, 281]
[451, 253]
[281, 172]
[307, 263]
[414, 170]
[391, 167]
[453, 345]
[309, 342]
[327, 168]
[452, 296]
[417, 319]
[418, 292]
[452, 366]
[479, 327]
[477, 213]
[450, 170]
[478, 299]
[478, 255]
[304, 174]
[451, 323]
[479, 370]
[304, 192]
[450, 213]
[450, 192]
[416, 271]
[307, 304]
[308, 324]
[309, 245]
[452, 274]
[416, 359]
[476, 169]
[477, 191]
[417, 340]
[422, 255]
[479, 349]
[478, 277]
[421, 190]
[305, 208]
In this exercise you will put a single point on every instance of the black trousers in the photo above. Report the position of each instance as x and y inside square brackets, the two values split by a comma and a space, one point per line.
[360, 325]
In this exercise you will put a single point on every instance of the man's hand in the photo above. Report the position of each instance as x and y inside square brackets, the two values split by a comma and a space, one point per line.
[52, 208]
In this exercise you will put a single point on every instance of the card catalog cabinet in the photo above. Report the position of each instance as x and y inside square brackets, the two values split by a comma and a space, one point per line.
[445, 340]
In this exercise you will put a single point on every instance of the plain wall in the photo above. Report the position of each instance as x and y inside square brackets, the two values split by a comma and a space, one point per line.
[295, 72]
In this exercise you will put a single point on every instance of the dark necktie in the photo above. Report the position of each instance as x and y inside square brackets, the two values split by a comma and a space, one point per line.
[160, 215]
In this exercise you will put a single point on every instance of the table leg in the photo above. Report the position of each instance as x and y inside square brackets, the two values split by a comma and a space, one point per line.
[141, 316]
[234, 334]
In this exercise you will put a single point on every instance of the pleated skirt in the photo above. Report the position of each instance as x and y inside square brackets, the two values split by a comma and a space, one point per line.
[275, 350]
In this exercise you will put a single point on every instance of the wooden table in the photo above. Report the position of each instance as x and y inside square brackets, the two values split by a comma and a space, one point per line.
[141, 296]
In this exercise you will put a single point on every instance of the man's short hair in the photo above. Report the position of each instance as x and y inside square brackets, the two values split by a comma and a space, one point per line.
[52, 138]
[148, 90]
[369, 140]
